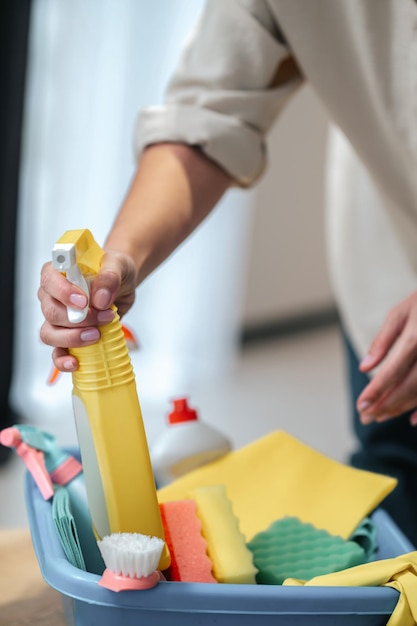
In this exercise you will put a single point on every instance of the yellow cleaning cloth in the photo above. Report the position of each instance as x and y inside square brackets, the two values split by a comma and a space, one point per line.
[399, 573]
[278, 476]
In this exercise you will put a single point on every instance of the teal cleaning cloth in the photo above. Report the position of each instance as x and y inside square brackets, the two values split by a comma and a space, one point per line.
[366, 536]
[66, 527]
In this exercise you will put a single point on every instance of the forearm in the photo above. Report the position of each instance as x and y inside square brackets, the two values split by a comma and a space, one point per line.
[174, 189]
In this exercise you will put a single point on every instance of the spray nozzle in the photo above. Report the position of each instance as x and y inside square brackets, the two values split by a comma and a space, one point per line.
[33, 459]
[42, 456]
[78, 256]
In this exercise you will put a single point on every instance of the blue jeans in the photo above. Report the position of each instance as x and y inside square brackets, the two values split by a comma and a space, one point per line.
[387, 448]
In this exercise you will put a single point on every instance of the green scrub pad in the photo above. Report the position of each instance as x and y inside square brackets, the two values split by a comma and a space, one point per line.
[290, 548]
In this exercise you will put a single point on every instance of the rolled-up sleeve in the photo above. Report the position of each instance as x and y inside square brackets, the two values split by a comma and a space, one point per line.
[227, 90]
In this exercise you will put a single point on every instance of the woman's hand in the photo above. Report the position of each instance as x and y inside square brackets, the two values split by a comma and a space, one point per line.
[393, 390]
[174, 189]
[115, 283]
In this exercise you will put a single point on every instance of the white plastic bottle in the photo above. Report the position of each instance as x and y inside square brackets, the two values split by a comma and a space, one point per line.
[186, 443]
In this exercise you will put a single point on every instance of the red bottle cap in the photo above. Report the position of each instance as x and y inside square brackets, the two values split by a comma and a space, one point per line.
[181, 412]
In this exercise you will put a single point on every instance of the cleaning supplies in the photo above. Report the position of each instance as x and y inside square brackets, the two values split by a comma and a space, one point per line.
[226, 545]
[399, 572]
[131, 561]
[278, 475]
[67, 530]
[185, 444]
[188, 548]
[290, 548]
[366, 536]
[118, 473]
[33, 458]
[49, 466]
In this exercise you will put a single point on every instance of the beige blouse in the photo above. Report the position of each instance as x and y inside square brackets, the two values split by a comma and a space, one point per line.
[242, 64]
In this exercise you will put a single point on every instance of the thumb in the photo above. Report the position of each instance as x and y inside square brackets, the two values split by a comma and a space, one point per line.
[107, 282]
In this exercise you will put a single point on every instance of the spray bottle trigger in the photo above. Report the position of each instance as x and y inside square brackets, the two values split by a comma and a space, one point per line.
[33, 459]
[75, 276]
[35, 462]
[64, 259]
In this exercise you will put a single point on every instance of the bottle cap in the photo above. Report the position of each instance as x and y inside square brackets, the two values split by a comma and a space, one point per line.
[181, 412]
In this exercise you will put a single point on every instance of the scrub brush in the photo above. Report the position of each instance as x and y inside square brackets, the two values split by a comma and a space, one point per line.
[131, 561]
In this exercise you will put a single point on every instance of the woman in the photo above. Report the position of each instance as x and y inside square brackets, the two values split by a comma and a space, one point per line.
[237, 73]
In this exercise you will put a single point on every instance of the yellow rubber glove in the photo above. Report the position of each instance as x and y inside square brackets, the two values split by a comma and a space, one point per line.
[399, 573]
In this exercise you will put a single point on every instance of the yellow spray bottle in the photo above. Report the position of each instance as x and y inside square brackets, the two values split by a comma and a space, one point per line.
[114, 451]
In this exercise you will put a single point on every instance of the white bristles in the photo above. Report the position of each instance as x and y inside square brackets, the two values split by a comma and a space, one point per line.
[131, 554]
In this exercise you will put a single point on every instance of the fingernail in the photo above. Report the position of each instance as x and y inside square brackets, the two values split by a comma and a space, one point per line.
[91, 334]
[383, 418]
[413, 419]
[69, 365]
[363, 406]
[102, 299]
[367, 419]
[105, 316]
[367, 360]
[77, 300]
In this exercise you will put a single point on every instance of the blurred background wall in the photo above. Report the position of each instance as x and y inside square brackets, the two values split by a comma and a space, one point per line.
[287, 284]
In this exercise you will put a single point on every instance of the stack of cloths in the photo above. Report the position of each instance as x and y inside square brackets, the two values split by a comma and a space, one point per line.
[278, 481]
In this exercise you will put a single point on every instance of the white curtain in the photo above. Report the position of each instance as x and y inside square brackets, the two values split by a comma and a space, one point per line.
[93, 63]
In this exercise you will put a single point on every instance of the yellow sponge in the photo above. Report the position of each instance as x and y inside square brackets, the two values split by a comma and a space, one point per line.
[232, 561]
[278, 476]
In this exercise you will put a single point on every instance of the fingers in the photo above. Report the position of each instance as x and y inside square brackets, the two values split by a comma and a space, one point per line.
[63, 361]
[384, 340]
[56, 314]
[399, 364]
[397, 400]
[114, 283]
[68, 337]
[55, 285]
[56, 293]
[106, 284]
[413, 419]
[393, 390]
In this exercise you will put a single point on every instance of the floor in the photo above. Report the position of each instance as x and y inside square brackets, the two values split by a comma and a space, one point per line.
[294, 384]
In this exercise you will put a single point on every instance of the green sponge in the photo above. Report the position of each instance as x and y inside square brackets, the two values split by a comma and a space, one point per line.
[290, 548]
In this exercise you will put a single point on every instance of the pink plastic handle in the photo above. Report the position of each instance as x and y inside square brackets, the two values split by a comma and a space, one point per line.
[34, 461]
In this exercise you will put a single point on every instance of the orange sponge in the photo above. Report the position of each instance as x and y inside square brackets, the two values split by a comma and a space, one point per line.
[188, 548]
